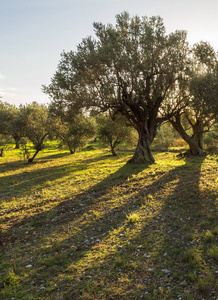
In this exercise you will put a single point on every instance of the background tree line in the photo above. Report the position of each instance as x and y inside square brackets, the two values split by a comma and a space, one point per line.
[37, 123]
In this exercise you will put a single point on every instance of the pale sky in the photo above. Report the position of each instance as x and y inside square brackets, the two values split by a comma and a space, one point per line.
[34, 33]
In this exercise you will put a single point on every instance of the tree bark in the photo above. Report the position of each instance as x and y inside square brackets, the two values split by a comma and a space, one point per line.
[32, 158]
[113, 151]
[1, 152]
[16, 138]
[17, 144]
[143, 150]
[198, 133]
[71, 151]
[195, 141]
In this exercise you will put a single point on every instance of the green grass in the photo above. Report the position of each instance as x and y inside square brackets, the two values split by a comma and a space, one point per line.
[133, 217]
[213, 252]
[90, 226]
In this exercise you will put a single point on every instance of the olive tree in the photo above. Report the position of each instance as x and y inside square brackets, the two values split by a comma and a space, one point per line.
[130, 68]
[114, 130]
[11, 122]
[197, 107]
[38, 125]
[76, 133]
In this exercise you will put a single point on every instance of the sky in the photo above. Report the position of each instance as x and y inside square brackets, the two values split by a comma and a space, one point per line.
[35, 32]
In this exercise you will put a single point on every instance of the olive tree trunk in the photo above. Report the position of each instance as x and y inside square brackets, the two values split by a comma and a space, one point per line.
[38, 148]
[143, 150]
[34, 155]
[17, 139]
[2, 152]
[195, 141]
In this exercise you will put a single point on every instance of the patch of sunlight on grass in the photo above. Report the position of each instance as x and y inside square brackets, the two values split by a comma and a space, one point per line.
[68, 217]
[116, 240]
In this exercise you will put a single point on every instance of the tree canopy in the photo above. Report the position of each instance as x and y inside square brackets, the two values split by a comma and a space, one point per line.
[195, 105]
[130, 67]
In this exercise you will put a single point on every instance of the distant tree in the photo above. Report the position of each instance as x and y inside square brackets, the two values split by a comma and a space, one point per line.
[3, 144]
[131, 68]
[4, 117]
[114, 130]
[11, 122]
[75, 134]
[38, 125]
[16, 126]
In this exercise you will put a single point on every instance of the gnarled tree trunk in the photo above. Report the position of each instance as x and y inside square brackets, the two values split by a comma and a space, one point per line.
[143, 150]
[38, 148]
[195, 141]
[198, 133]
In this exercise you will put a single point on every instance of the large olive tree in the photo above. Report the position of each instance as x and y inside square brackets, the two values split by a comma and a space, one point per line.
[130, 67]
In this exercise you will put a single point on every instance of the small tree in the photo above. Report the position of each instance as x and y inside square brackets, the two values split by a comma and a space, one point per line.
[75, 134]
[11, 122]
[37, 125]
[24, 148]
[114, 131]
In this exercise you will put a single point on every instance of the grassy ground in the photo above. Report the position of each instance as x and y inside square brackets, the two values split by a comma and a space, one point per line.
[90, 226]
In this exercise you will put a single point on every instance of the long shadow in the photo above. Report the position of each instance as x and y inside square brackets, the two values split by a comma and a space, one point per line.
[23, 163]
[79, 206]
[15, 236]
[45, 220]
[75, 204]
[27, 181]
[168, 245]
[151, 190]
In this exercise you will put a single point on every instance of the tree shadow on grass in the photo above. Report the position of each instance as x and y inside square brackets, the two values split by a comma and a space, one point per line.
[16, 235]
[34, 180]
[67, 256]
[156, 246]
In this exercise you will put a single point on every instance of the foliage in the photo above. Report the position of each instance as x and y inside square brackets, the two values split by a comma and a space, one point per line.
[196, 103]
[11, 122]
[130, 67]
[4, 141]
[114, 130]
[75, 134]
[37, 125]
[166, 137]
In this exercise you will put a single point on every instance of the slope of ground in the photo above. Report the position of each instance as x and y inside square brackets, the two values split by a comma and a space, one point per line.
[90, 226]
